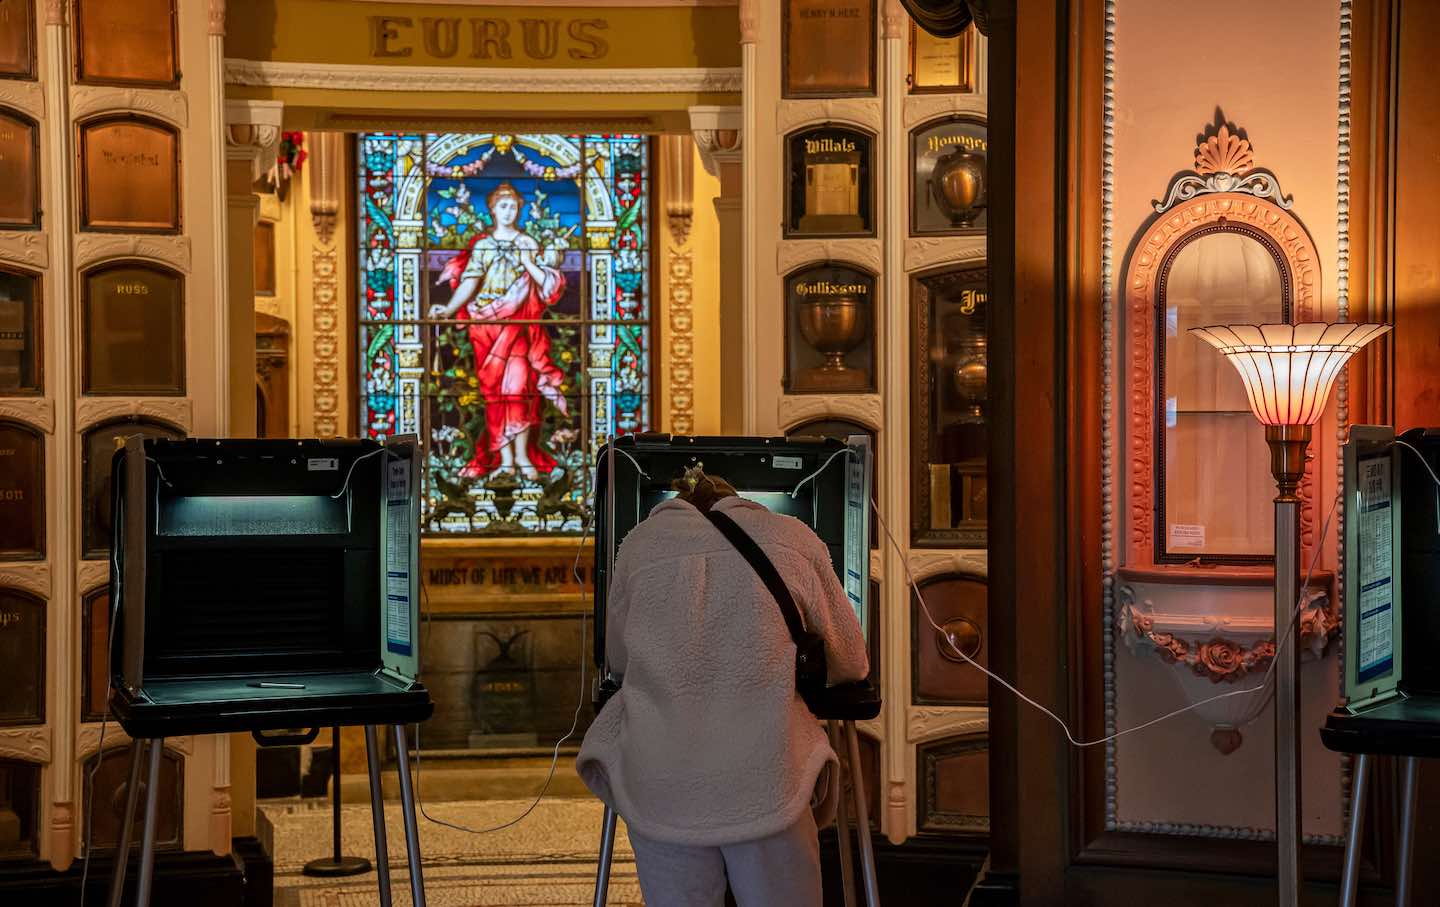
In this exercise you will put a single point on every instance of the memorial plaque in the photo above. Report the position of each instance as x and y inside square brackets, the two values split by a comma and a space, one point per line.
[19, 152]
[19, 334]
[829, 48]
[829, 330]
[22, 652]
[17, 40]
[97, 449]
[107, 790]
[126, 42]
[829, 182]
[133, 331]
[941, 64]
[264, 259]
[22, 492]
[949, 176]
[19, 810]
[129, 176]
[95, 631]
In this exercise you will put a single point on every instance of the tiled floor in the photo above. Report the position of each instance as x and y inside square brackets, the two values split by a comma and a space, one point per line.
[545, 860]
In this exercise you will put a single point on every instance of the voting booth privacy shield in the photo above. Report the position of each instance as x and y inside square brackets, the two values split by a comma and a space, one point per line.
[264, 584]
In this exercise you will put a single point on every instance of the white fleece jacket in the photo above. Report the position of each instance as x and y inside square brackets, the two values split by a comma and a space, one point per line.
[707, 743]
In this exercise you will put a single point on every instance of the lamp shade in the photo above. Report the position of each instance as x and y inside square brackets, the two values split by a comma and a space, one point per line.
[1288, 369]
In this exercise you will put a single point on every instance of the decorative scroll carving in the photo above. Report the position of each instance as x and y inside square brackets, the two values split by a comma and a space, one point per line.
[325, 321]
[89, 100]
[919, 108]
[1224, 163]
[176, 411]
[929, 251]
[87, 740]
[794, 253]
[925, 563]
[682, 342]
[719, 145]
[1224, 152]
[92, 573]
[679, 187]
[866, 409]
[327, 164]
[36, 411]
[216, 17]
[28, 577]
[377, 77]
[892, 19]
[25, 96]
[28, 744]
[749, 21]
[930, 722]
[25, 247]
[863, 112]
[93, 248]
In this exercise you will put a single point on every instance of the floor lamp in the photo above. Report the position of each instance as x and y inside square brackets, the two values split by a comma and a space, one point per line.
[1288, 370]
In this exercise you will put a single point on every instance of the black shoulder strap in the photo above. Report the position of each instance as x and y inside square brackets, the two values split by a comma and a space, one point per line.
[766, 570]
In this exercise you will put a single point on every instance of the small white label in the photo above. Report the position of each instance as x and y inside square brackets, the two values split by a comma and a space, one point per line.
[1186, 535]
[318, 464]
[788, 462]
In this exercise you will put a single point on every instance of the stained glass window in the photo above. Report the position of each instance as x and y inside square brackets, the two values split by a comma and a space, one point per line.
[504, 297]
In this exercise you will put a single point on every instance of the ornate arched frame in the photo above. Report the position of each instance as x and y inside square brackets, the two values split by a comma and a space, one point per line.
[28, 122]
[149, 263]
[1153, 248]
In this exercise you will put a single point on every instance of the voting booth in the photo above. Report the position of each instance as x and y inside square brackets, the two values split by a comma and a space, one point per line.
[264, 585]
[1392, 606]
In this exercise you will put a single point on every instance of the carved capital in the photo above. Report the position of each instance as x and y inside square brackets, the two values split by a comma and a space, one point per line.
[327, 163]
[718, 136]
[749, 21]
[217, 17]
[55, 12]
[252, 132]
[677, 184]
[892, 20]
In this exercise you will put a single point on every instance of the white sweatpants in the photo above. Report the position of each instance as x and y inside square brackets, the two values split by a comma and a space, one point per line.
[783, 869]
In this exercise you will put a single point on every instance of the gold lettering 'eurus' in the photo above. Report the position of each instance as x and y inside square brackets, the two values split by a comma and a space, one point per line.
[969, 299]
[829, 145]
[443, 37]
[827, 288]
[969, 142]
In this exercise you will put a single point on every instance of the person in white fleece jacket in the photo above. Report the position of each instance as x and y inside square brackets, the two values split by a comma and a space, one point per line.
[707, 751]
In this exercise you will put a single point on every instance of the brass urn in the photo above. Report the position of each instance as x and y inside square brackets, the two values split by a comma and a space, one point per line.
[971, 373]
[834, 326]
[958, 186]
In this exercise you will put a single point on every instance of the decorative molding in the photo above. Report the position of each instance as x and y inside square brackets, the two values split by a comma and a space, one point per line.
[90, 575]
[921, 108]
[92, 411]
[928, 251]
[55, 12]
[327, 168]
[892, 20]
[749, 21]
[325, 323]
[25, 247]
[1224, 162]
[1108, 511]
[791, 254]
[27, 97]
[865, 113]
[28, 744]
[926, 563]
[87, 101]
[718, 134]
[37, 412]
[87, 741]
[93, 248]
[924, 723]
[677, 185]
[1141, 295]
[797, 409]
[28, 576]
[680, 289]
[589, 82]
[252, 132]
[217, 18]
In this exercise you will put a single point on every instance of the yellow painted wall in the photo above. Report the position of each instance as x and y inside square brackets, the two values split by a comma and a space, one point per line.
[705, 243]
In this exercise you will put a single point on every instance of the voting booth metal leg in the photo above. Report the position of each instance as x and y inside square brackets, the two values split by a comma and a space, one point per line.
[842, 820]
[122, 850]
[862, 819]
[147, 836]
[1350, 876]
[607, 855]
[412, 829]
[377, 815]
[1405, 852]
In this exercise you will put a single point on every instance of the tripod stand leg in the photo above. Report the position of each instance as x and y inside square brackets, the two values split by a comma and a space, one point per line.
[1406, 855]
[1350, 876]
[842, 818]
[862, 819]
[607, 855]
[132, 796]
[147, 837]
[377, 813]
[412, 830]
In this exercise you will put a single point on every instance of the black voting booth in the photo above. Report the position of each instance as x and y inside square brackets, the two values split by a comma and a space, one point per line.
[1392, 605]
[825, 483]
[265, 585]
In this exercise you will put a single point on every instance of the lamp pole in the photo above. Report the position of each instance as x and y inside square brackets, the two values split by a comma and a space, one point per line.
[1287, 463]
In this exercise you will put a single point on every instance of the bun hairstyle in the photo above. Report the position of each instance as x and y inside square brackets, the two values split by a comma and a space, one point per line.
[699, 490]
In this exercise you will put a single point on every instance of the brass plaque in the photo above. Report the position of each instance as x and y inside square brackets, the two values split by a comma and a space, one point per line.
[20, 202]
[129, 176]
[22, 652]
[22, 492]
[133, 331]
[941, 64]
[17, 39]
[94, 682]
[126, 42]
[19, 334]
[97, 447]
[829, 48]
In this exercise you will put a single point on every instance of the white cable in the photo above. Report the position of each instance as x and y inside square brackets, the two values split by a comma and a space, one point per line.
[796, 490]
[1423, 462]
[633, 461]
[351, 471]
